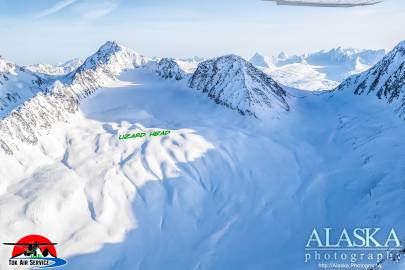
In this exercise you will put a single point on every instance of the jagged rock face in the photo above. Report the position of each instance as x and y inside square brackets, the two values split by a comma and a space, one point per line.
[386, 79]
[234, 82]
[167, 68]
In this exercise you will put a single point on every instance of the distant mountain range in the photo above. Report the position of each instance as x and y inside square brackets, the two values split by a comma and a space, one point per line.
[317, 71]
[60, 69]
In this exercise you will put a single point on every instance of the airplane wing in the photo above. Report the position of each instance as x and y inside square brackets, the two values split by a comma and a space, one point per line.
[327, 3]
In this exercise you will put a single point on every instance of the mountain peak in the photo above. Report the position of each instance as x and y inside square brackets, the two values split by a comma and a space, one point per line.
[111, 46]
[168, 68]
[232, 57]
[103, 54]
[282, 55]
[234, 82]
[113, 56]
[260, 60]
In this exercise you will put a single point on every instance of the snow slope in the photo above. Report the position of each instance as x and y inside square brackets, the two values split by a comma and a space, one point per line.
[221, 191]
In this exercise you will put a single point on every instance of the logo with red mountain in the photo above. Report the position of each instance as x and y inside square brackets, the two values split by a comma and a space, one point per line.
[35, 251]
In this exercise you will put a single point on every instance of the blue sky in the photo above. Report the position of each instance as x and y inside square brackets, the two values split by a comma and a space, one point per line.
[54, 31]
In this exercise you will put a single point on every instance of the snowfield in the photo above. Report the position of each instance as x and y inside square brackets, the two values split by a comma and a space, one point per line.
[222, 191]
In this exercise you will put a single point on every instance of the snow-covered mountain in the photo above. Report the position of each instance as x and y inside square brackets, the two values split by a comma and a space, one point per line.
[261, 60]
[345, 56]
[222, 190]
[182, 66]
[114, 58]
[386, 79]
[234, 82]
[60, 69]
[16, 85]
[321, 70]
[32, 105]
[102, 67]
[168, 68]
[26, 106]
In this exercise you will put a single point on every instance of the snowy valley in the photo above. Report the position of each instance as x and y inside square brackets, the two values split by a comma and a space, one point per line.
[253, 162]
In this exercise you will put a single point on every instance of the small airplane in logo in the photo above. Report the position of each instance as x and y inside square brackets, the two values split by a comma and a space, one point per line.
[35, 250]
[327, 3]
[32, 249]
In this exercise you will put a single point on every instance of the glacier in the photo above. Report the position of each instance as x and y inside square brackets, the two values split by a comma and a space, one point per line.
[224, 190]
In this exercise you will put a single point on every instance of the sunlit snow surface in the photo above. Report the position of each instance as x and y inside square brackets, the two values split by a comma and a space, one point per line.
[223, 191]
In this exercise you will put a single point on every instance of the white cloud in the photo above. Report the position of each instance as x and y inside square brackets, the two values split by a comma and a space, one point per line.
[92, 9]
[55, 8]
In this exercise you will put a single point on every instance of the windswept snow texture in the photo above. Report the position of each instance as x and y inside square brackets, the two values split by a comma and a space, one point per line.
[322, 70]
[222, 190]
[327, 3]
[232, 81]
